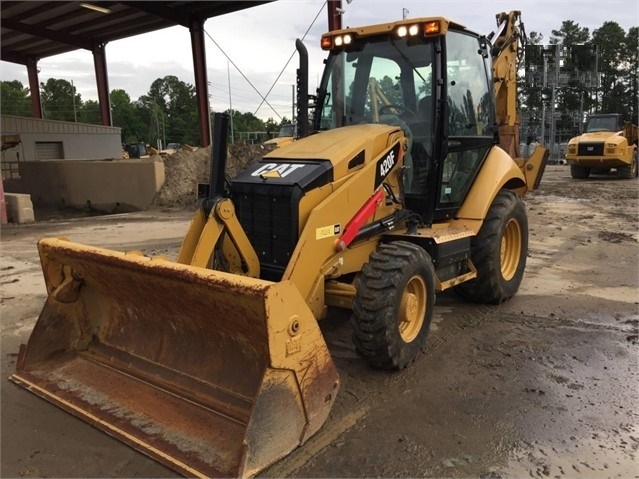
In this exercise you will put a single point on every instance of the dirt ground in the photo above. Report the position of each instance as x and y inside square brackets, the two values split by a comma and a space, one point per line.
[544, 385]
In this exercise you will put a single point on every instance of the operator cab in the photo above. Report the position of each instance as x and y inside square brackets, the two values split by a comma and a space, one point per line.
[431, 78]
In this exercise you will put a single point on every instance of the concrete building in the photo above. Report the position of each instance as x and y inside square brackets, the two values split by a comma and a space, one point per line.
[31, 139]
[63, 164]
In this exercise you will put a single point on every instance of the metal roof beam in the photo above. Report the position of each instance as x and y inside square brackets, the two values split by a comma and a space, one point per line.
[173, 15]
[14, 57]
[37, 31]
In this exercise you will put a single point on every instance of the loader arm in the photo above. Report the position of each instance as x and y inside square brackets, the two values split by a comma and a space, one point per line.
[208, 231]
[215, 238]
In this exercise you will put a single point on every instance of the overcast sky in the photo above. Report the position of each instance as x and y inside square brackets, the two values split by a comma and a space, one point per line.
[260, 41]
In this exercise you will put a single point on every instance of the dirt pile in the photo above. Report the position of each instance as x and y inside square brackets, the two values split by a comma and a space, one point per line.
[185, 169]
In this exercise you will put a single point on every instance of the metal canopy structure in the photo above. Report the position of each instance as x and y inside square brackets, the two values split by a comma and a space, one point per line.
[32, 30]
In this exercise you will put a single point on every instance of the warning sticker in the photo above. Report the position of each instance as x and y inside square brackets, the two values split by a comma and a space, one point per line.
[327, 231]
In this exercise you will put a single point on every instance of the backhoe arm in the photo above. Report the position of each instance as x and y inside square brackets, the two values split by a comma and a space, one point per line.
[507, 51]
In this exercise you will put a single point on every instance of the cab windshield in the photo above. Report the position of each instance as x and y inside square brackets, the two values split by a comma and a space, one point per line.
[384, 80]
[379, 81]
[602, 123]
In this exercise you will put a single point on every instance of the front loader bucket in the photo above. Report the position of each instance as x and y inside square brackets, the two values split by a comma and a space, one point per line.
[211, 374]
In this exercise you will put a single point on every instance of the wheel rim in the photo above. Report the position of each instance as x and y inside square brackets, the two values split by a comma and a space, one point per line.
[510, 249]
[412, 308]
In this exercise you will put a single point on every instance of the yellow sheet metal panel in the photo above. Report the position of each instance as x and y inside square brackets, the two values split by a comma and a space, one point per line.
[498, 169]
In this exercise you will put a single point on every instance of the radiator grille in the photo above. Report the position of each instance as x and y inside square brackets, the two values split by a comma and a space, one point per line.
[270, 220]
[591, 149]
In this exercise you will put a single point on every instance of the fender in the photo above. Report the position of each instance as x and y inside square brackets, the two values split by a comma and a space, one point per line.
[498, 171]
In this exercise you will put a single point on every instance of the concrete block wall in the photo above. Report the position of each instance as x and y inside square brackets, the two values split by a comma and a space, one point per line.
[121, 185]
[19, 208]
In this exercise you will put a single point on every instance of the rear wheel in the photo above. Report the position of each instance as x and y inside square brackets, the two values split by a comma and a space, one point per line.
[579, 172]
[629, 171]
[499, 251]
[393, 307]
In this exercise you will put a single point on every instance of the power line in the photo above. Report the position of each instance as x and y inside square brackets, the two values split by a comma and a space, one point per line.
[241, 73]
[289, 59]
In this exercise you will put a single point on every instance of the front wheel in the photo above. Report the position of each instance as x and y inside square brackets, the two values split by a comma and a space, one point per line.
[499, 251]
[579, 172]
[629, 171]
[393, 307]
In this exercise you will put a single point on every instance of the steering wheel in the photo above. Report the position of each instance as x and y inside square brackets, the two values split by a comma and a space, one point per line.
[402, 109]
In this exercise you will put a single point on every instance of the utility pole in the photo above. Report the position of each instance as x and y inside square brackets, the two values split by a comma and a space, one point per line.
[163, 133]
[554, 99]
[228, 70]
[75, 115]
[294, 105]
[543, 103]
[335, 10]
[581, 112]
[208, 109]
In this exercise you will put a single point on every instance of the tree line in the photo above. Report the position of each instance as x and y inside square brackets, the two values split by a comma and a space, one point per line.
[598, 73]
[168, 112]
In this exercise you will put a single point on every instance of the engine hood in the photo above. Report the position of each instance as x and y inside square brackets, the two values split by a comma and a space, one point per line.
[320, 158]
[345, 148]
[597, 136]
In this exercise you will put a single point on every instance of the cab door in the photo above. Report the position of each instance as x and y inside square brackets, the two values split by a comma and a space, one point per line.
[470, 127]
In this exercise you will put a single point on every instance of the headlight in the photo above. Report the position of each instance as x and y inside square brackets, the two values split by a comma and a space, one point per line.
[337, 41]
[407, 30]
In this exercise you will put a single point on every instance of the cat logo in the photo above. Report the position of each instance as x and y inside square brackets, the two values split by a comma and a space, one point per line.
[276, 170]
[590, 148]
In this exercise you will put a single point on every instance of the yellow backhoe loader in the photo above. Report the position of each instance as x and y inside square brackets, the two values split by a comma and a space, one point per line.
[215, 364]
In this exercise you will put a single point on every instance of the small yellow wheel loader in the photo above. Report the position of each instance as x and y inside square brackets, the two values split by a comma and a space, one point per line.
[397, 188]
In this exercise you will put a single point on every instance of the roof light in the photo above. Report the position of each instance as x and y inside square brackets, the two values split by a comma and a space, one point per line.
[95, 8]
[337, 41]
[431, 28]
[408, 30]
